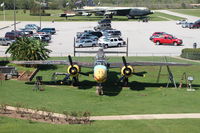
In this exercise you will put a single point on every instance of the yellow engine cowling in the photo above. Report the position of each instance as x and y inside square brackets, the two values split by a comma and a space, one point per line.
[73, 70]
[127, 71]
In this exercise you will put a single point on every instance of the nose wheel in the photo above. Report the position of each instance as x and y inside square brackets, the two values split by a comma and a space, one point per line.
[99, 90]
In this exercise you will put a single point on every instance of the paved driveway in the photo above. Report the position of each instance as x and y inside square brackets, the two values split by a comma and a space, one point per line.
[138, 34]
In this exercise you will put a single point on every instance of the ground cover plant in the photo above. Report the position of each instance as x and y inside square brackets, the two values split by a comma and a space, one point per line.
[21, 16]
[143, 96]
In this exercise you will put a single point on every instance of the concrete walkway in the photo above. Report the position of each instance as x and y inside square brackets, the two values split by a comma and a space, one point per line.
[180, 58]
[120, 117]
[188, 17]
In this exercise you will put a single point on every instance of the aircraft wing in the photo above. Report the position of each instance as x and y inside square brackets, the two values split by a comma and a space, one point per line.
[90, 10]
[85, 64]
[119, 65]
[40, 62]
[52, 62]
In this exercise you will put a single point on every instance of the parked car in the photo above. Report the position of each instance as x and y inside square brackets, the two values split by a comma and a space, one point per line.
[104, 21]
[111, 32]
[186, 25]
[95, 33]
[167, 39]
[48, 30]
[111, 42]
[104, 26]
[42, 37]
[157, 34]
[86, 43]
[13, 35]
[196, 24]
[181, 22]
[6, 41]
[86, 36]
[32, 26]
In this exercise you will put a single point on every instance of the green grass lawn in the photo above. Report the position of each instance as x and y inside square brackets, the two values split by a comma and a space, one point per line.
[8, 125]
[21, 16]
[193, 12]
[144, 96]
[159, 15]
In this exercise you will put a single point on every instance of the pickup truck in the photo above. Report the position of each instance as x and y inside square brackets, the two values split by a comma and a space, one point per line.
[167, 39]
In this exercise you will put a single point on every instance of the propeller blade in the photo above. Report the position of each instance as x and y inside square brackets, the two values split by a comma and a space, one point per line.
[66, 77]
[53, 77]
[70, 60]
[120, 79]
[141, 74]
[85, 74]
[124, 61]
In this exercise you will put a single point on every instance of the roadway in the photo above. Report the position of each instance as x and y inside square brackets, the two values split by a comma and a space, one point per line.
[188, 17]
[138, 34]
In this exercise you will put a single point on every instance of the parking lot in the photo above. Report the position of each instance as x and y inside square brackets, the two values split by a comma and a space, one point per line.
[138, 34]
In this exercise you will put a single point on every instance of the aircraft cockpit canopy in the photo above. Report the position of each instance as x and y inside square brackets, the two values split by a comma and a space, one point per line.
[100, 62]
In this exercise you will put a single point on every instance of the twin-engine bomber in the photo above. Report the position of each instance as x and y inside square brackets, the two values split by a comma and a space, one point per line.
[100, 68]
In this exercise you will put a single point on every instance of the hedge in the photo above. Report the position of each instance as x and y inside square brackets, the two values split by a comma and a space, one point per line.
[42, 14]
[191, 53]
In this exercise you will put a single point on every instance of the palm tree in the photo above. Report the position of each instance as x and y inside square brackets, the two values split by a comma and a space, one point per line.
[27, 49]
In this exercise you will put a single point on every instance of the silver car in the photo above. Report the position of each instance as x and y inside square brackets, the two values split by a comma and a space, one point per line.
[6, 41]
[86, 43]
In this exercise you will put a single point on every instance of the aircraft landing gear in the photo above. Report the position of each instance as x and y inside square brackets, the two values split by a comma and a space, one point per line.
[125, 81]
[99, 90]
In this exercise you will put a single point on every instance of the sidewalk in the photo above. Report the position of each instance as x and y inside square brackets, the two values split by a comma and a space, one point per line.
[123, 117]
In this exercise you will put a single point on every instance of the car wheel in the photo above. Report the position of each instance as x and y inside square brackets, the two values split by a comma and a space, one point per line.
[175, 43]
[157, 43]
[80, 46]
[106, 46]
[119, 45]
[93, 45]
[8, 44]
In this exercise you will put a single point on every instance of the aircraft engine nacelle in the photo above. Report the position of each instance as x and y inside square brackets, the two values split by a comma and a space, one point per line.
[73, 70]
[127, 71]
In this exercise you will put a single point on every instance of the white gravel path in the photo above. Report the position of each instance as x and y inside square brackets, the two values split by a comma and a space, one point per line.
[123, 117]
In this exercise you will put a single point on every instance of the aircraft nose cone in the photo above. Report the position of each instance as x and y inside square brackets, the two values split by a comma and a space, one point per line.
[100, 75]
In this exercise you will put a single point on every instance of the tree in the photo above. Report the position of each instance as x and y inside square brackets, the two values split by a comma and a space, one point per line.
[28, 49]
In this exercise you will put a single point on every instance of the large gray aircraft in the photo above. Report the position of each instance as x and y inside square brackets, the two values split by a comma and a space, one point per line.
[130, 12]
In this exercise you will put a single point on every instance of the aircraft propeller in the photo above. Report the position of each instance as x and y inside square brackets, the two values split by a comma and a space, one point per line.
[127, 71]
[74, 70]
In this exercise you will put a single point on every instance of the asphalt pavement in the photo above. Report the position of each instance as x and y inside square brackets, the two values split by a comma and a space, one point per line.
[137, 34]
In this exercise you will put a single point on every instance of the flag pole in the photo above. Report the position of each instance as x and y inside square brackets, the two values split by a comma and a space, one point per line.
[4, 12]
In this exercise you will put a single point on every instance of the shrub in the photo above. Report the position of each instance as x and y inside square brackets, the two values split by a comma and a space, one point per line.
[190, 53]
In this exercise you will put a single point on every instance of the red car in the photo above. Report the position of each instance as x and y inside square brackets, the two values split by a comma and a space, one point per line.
[158, 33]
[167, 39]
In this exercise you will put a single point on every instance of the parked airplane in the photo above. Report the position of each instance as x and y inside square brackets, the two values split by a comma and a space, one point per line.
[130, 12]
[100, 68]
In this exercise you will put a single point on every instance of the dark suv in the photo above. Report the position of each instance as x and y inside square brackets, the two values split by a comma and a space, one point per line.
[48, 30]
[195, 24]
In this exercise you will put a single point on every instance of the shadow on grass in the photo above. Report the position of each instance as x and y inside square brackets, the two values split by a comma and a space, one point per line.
[47, 67]
[112, 87]
[138, 86]
[3, 62]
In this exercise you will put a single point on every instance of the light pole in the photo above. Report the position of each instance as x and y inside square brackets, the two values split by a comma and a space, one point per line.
[40, 14]
[14, 15]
